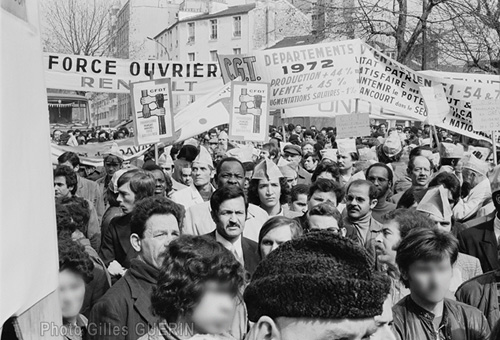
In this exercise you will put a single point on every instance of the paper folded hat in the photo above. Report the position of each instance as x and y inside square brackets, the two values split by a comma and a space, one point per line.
[204, 157]
[330, 154]
[267, 170]
[243, 154]
[289, 170]
[165, 159]
[113, 184]
[475, 164]
[223, 134]
[346, 145]
[435, 202]
[392, 145]
[367, 154]
[425, 141]
[495, 179]
[449, 150]
[191, 141]
[114, 150]
[485, 152]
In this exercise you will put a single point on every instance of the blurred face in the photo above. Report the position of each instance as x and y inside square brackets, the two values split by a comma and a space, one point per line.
[299, 205]
[230, 219]
[201, 174]
[376, 328]
[60, 188]
[383, 128]
[71, 293]
[387, 240]
[57, 135]
[345, 161]
[329, 223]
[421, 172]
[321, 197]
[186, 177]
[291, 157]
[298, 129]
[161, 183]
[430, 280]
[231, 173]
[264, 154]
[307, 148]
[269, 192]
[310, 164]
[274, 238]
[160, 231]
[358, 202]
[380, 178]
[214, 312]
[126, 198]
[308, 139]
[441, 223]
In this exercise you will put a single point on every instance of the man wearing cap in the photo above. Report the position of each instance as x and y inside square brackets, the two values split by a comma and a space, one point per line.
[436, 206]
[482, 240]
[474, 173]
[113, 161]
[318, 286]
[166, 163]
[451, 155]
[198, 220]
[293, 153]
[201, 189]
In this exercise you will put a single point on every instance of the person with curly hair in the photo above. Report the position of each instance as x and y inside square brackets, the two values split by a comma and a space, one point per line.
[269, 190]
[197, 290]
[75, 270]
[155, 222]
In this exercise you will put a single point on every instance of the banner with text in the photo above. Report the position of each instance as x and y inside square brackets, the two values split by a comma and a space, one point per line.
[101, 74]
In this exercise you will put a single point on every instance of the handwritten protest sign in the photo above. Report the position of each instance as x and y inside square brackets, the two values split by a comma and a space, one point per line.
[486, 115]
[248, 119]
[353, 125]
[436, 103]
[152, 110]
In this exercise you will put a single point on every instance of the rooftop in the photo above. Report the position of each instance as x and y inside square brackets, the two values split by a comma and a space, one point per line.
[297, 41]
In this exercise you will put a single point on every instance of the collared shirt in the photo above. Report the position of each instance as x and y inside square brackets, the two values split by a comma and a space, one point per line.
[231, 246]
[496, 227]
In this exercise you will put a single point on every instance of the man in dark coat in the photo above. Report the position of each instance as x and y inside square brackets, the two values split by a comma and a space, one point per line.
[124, 312]
[481, 240]
[229, 210]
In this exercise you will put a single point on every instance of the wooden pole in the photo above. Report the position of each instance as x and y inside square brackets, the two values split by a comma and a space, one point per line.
[494, 140]
[156, 153]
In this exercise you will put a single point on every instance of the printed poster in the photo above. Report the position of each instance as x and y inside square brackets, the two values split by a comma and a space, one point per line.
[248, 119]
[152, 110]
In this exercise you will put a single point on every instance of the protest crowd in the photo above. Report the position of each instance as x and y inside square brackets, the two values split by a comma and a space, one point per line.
[390, 236]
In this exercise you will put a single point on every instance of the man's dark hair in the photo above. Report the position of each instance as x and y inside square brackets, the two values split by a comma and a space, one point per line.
[326, 209]
[411, 163]
[426, 245]
[79, 210]
[70, 157]
[149, 206]
[372, 189]
[326, 166]
[418, 151]
[299, 189]
[308, 133]
[188, 152]
[449, 181]
[225, 160]
[253, 193]
[327, 185]
[142, 183]
[390, 174]
[314, 156]
[72, 257]
[68, 173]
[191, 262]
[408, 219]
[227, 192]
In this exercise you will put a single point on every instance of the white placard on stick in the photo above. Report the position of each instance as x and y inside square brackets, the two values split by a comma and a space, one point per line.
[486, 115]
[353, 125]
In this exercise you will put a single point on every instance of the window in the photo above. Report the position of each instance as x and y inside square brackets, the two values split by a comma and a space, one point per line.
[191, 56]
[213, 29]
[213, 55]
[191, 32]
[236, 26]
[237, 50]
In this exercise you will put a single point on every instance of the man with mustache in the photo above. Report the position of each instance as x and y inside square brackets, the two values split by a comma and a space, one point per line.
[420, 171]
[229, 208]
[361, 198]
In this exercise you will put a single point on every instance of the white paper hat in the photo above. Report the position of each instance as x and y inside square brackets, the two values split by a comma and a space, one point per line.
[346, 145]
[204, 157]
[435, 202]
[266, 170]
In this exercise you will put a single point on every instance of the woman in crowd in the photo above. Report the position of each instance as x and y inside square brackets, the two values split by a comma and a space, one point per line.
[269, 189]
[275, 231]
[75, 270]
[197, 290]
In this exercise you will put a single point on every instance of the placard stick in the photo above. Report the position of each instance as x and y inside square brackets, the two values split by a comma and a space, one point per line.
[494, 140]
[156, 153]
